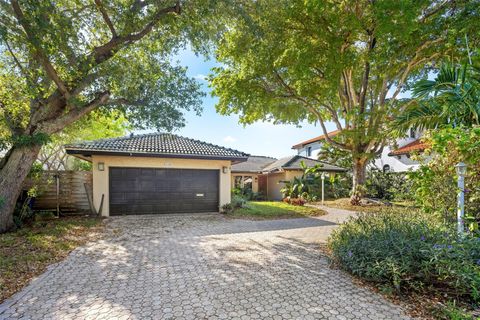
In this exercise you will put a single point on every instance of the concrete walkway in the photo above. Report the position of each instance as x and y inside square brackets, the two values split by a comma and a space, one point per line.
[201, 267]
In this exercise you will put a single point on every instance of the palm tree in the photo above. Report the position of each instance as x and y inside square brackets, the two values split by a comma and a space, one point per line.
[452, 98]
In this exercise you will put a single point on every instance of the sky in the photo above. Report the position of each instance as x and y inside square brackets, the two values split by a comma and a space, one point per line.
[261, 138]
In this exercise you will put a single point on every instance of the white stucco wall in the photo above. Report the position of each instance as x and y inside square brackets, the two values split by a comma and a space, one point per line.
[101, 178]
[315, 148]
[400, 163]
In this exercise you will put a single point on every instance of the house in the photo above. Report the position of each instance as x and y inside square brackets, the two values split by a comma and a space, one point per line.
[167, 173]
[268, 175]
[248, 174]
[395, 158]
[311, 147]
[158, 173]
[398, 158]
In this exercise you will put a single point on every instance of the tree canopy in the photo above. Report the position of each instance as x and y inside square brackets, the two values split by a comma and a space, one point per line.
[60, 60]
[341, 61]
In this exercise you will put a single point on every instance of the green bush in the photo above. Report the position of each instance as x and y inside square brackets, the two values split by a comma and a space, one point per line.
[409, 251]
[236, 202]
[388, 185]
[435, 182]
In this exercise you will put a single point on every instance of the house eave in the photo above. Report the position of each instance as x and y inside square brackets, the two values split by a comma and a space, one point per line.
[89, 153]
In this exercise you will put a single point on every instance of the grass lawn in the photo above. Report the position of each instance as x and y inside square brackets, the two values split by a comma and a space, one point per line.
[274, 210]
[344, 203]
[27, 252]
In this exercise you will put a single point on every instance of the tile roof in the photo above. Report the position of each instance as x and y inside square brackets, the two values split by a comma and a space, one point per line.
[316, 139]
[253, 164]
[416, 145]
[156, 144]
[293, 163]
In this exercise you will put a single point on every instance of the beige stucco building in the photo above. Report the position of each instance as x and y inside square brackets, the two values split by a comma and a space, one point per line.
[158, 173]
[268, 175]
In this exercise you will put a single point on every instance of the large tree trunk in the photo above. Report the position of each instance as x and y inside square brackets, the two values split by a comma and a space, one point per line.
[12, 175]
[359, 176]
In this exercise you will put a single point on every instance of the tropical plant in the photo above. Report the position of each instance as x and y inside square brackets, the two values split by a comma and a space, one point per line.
[60, 60]
[452, 98]
[306, 186]
[342, 61]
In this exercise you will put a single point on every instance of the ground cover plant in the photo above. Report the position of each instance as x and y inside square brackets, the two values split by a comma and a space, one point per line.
[27, 252]
[405, 252]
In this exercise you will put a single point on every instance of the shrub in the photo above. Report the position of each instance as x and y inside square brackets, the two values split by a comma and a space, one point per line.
[408, 251]
[236, 202]
[248, 194]
[434, 184]
[295, 201]
[388, 185]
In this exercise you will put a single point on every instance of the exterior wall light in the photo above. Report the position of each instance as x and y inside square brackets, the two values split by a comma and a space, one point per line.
[461, 169]
[225, 169]
[101, 166]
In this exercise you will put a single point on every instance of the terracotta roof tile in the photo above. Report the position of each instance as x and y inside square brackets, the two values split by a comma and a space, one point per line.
[316, 139]
[416, 145]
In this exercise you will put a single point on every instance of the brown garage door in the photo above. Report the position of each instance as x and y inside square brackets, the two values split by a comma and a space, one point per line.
[148, 190]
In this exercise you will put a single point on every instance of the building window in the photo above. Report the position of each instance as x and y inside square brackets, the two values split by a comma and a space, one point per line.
[243, 182]
[412, 133]
[386, 168]
[309, 151]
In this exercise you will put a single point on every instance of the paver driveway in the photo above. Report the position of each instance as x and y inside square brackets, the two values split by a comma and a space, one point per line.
[200, 267]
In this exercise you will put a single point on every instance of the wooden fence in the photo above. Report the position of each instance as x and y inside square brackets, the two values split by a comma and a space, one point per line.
[71, 195]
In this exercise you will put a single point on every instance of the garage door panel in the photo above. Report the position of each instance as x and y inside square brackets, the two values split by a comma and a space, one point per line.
[151, 190]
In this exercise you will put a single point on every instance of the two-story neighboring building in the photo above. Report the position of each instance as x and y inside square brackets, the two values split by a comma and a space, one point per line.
[311, 147]
[395, 158]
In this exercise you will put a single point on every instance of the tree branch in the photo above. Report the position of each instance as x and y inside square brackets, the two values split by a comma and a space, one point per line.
[106, 18]
[311, 109]
[414, 62]
[74, 114]
[39, 54]
[434, 10]
[106, 51]
[17, 62]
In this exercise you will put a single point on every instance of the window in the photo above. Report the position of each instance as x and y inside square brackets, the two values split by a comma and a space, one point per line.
[309, 151]
[247, 182]
[243, 182]
[412, 133]
[238, 182]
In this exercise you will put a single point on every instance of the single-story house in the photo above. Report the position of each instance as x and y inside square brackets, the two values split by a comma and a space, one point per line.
[268, 175]
[167, 173]
[158, 173]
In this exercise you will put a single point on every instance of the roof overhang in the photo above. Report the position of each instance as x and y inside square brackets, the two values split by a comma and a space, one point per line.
[320, 169]
[87, 154]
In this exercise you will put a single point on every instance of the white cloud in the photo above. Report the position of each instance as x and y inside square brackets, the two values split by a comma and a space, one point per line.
[201, 77]
[229, 139]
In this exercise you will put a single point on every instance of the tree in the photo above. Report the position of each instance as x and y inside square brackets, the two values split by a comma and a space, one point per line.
[340, 61]
[452, 99]
[95, 125]
[60, 60]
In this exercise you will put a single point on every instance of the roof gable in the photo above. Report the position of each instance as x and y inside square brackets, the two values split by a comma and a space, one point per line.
[331, 134]
[156, 144]
[293, 163]
[253, 164]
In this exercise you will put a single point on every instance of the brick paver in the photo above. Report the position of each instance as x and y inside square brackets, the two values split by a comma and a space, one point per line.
[201, 267]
